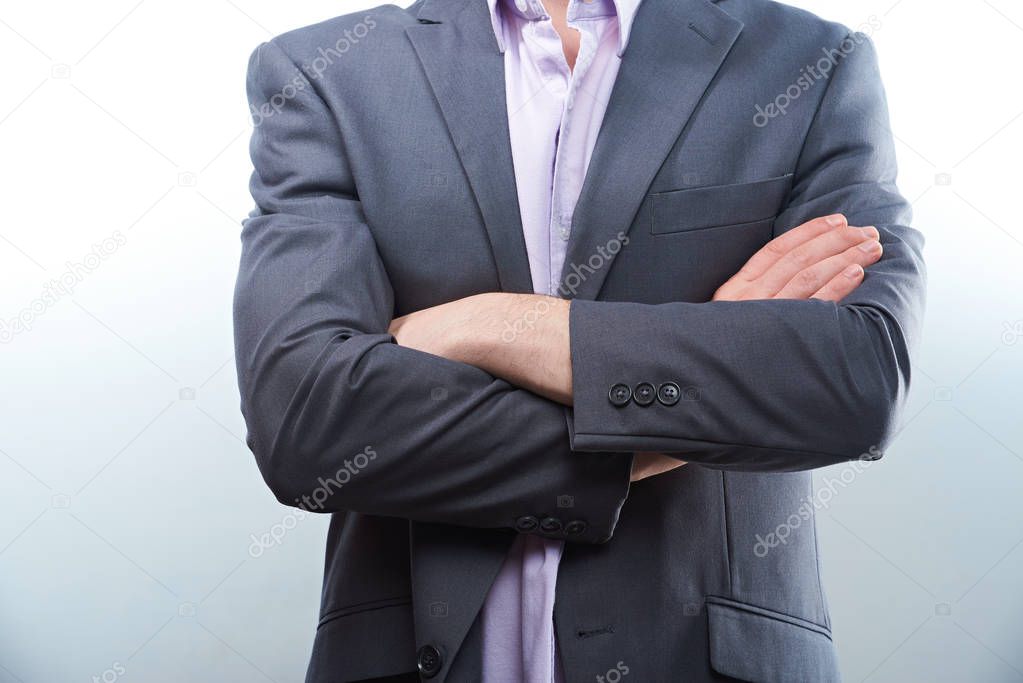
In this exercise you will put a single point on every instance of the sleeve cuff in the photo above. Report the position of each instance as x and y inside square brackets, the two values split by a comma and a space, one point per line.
[625, 397]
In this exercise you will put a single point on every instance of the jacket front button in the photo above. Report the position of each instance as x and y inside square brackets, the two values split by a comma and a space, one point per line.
[550, 525]
[619, 395]
[668, 393]
[430, 661]
[644, 394]
[526, 524]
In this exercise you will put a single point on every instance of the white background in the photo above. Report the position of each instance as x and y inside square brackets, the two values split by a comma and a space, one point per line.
[129, 498]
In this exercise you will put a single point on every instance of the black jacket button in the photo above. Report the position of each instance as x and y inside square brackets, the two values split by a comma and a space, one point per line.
[644, 394]
[619, 395]
[526, 524]
[576, 526]
[669, 393]
[550, 525]
[430, 661]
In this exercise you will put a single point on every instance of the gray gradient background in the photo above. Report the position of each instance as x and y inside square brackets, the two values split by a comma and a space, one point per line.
[130, 500]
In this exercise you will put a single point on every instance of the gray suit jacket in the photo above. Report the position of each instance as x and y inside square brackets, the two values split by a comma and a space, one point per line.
[384, 184]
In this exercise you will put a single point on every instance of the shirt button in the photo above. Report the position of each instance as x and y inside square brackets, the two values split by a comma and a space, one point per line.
[564, 223]
[430, 661]
[644, 394]
[619, 395]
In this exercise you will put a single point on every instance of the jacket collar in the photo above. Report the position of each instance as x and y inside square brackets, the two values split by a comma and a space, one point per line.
[625, 10]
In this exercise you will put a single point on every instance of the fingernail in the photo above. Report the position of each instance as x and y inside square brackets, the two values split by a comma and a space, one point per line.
[853, 272]
[872, 232]
[870, 246]
[836, 220]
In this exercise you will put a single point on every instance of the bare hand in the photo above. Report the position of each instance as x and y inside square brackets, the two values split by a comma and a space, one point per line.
[821, 259]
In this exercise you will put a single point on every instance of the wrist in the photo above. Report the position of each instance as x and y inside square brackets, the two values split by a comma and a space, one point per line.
[478, 331]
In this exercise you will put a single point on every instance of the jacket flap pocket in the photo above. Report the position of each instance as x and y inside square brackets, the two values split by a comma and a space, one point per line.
[720, 205]
[754, 644]
[370, 640]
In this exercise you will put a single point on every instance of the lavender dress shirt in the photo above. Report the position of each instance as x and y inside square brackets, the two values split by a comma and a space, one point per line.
[554, 115]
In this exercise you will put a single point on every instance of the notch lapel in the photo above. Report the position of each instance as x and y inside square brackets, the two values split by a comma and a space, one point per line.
[675, 50]
[456, 45]
[453, 568]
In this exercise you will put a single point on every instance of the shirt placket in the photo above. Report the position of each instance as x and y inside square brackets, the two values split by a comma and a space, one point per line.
[568, 162]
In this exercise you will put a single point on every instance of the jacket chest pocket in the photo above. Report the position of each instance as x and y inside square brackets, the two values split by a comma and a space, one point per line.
[717, 206]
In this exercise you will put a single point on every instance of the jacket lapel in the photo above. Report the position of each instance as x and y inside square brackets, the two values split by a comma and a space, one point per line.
[456, 45]
[453, 568]
[675, 49]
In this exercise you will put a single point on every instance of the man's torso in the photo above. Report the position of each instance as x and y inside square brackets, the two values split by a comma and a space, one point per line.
[681, 192]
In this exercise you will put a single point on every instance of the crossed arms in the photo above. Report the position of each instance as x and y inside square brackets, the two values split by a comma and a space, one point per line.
[796, 367]
[822, 259]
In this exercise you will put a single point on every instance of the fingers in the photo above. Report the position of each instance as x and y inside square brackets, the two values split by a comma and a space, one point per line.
[806, 262]
[841, 285]
[809, 281]
[810, 253]
[777, 248]
[646, 465]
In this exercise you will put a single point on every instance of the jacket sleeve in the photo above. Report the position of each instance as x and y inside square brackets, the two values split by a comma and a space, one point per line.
[339, 417]
[774, 385]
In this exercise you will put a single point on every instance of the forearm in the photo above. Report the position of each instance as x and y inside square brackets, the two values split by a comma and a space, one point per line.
[762, 385]
[521, 338]
[450, 443]
[794, 383]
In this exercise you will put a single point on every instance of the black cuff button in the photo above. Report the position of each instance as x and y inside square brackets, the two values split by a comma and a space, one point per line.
[620, 395]
[669, 393]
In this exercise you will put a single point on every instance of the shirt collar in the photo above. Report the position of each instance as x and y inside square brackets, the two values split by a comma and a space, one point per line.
[577, 9]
